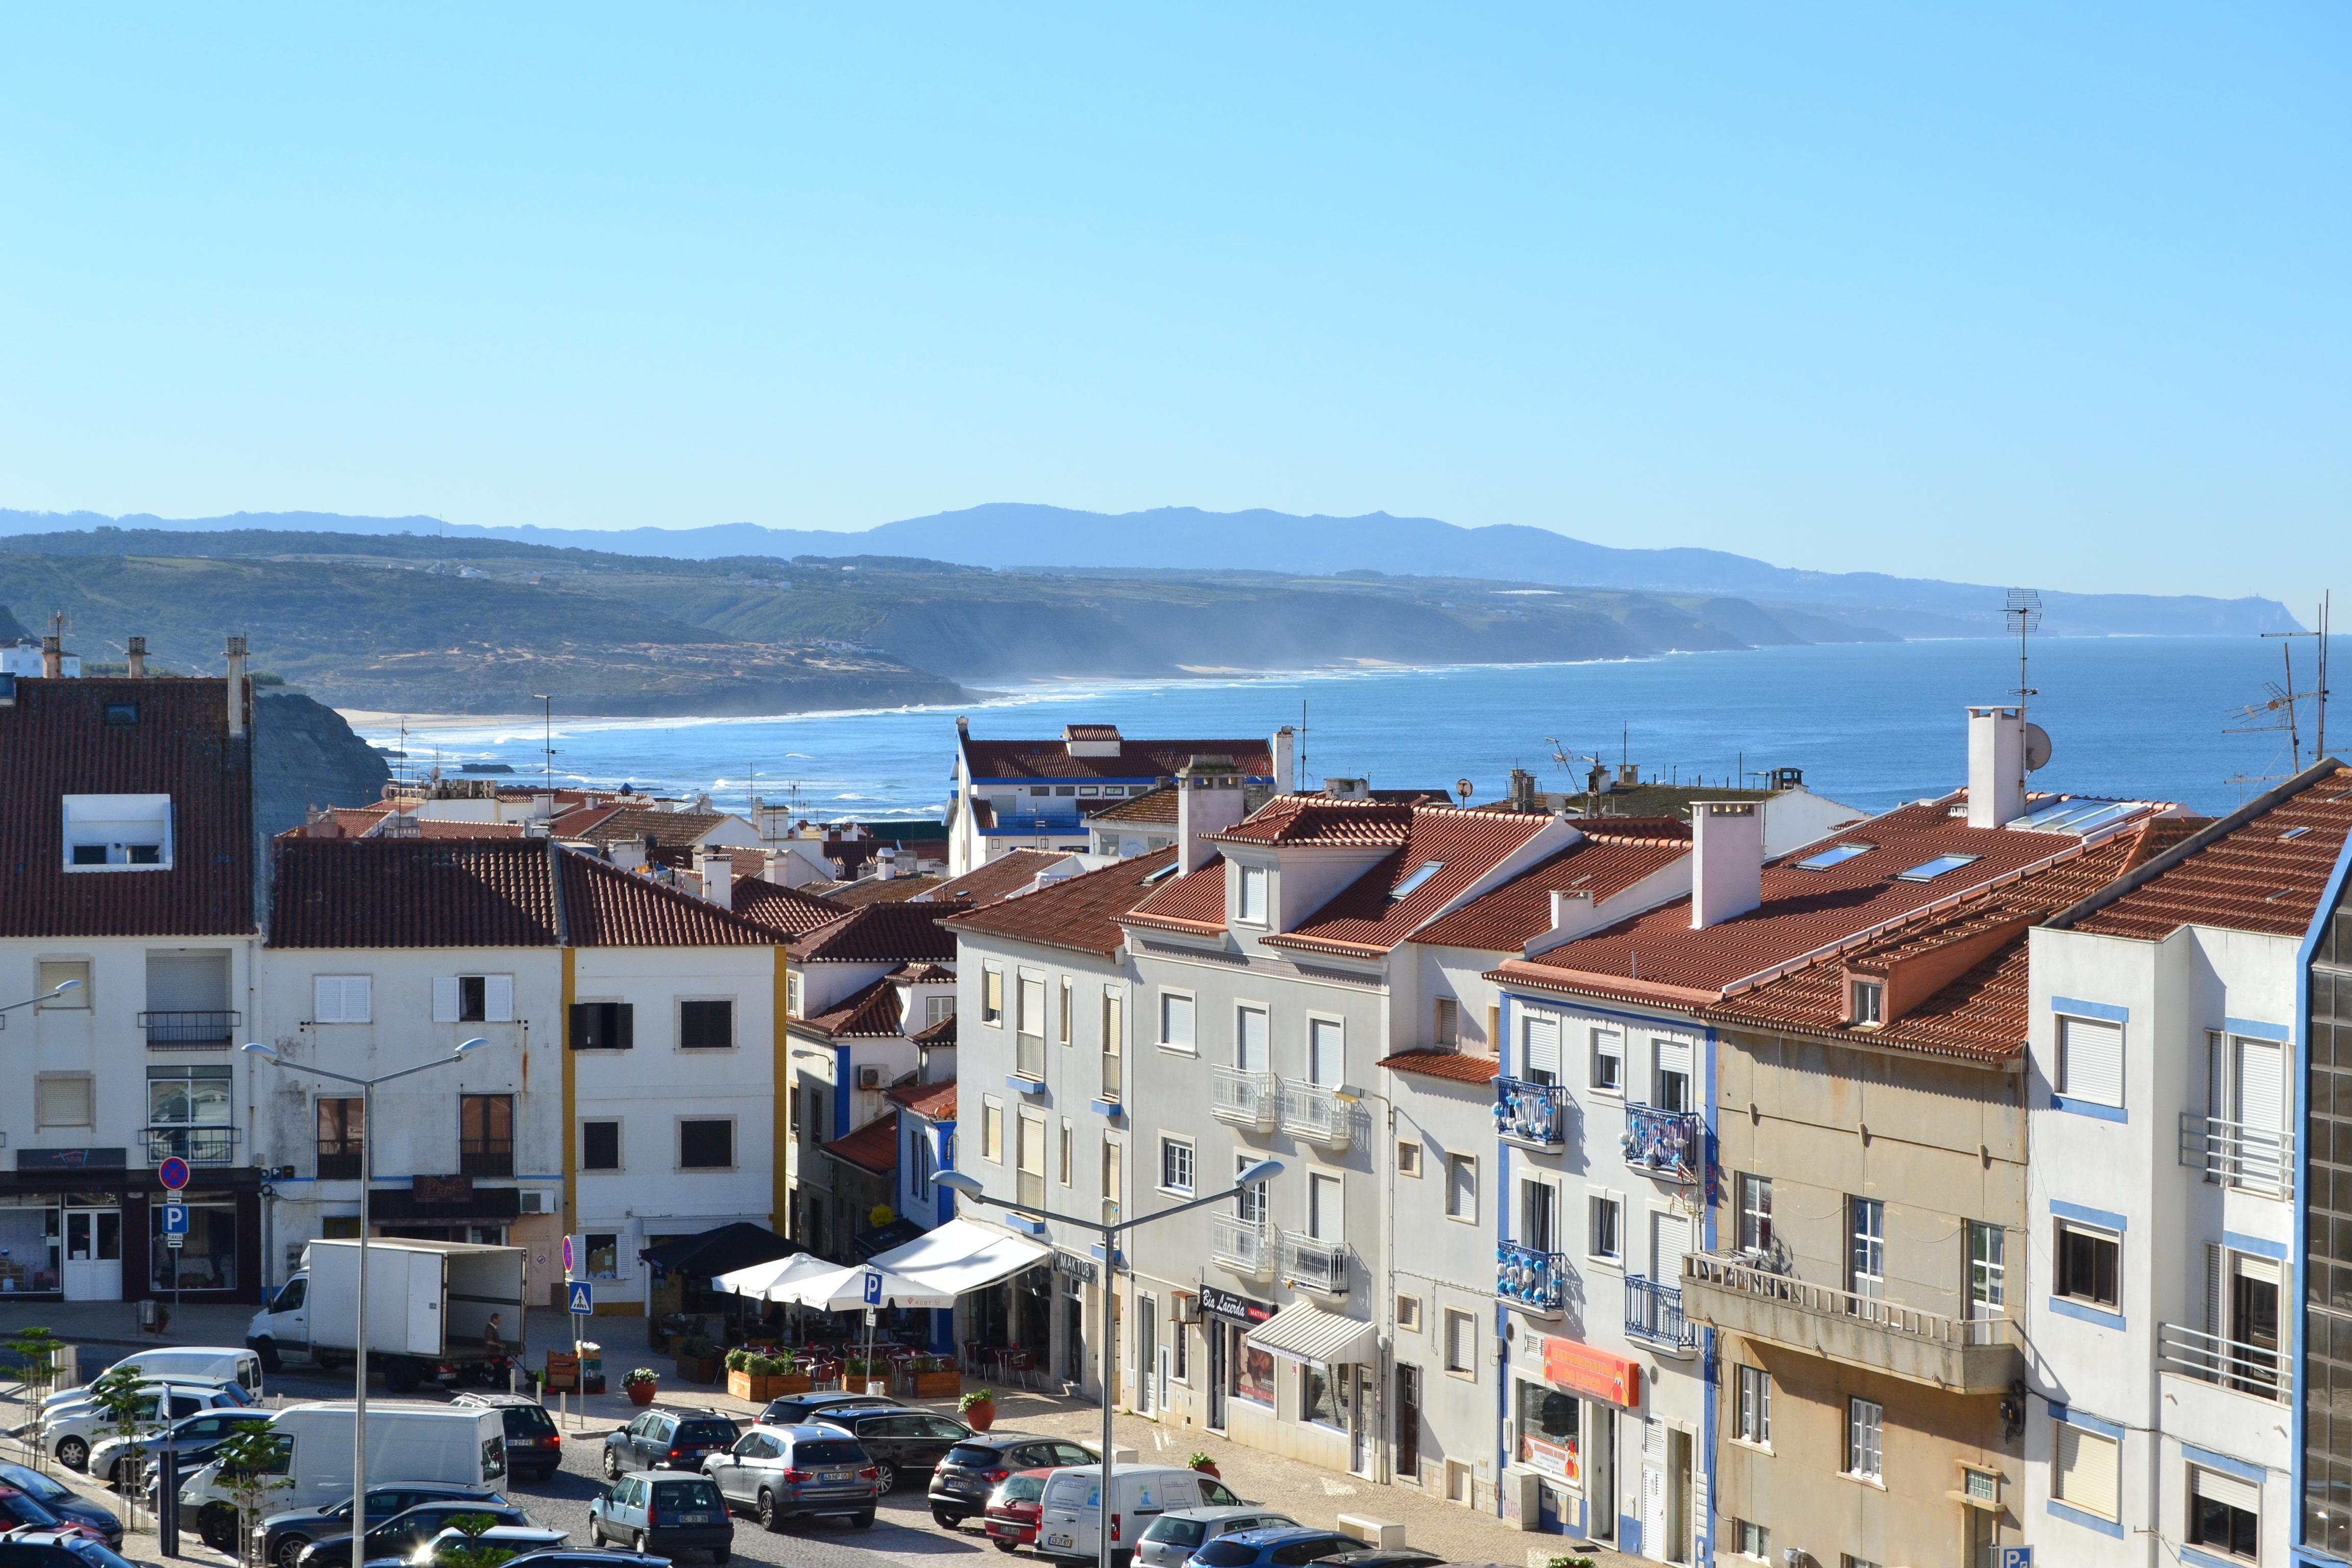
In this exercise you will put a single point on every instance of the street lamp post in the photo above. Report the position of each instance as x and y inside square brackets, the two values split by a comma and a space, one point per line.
[59, 989]
[366, 1087]
[969, 1189]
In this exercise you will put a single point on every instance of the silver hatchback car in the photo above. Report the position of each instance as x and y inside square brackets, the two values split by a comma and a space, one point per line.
[1176, 1535]
[781, 1473]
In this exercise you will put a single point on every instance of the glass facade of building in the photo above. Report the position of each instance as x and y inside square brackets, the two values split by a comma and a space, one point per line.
[2326, 1389]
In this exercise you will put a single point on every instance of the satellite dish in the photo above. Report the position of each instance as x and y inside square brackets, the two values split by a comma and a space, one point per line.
[2037, 747]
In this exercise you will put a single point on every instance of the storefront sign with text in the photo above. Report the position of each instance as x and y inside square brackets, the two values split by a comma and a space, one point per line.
[1580, 1369]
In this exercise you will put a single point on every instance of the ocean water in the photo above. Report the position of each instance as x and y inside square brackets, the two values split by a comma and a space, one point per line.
[1871, 724]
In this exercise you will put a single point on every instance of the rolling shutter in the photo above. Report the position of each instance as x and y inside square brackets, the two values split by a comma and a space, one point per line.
[1673, 1056]
[2213, 1322]
[2227, 1489]
[1542, 1065]
[498, 998]
[444, 998]
[2260, 1083]
[2091, 1060]
[2086, 1469]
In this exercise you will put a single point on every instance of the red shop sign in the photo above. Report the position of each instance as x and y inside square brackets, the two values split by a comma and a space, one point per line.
[1583, 1370]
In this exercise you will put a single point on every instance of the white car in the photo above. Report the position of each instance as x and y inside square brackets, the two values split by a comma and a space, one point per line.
[71, 1433]
[67, 1401]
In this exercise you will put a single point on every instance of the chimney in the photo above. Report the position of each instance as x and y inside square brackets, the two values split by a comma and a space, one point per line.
[237, 688]
[718, 874]
[53, 658]
[885, 864]
[1208, 800]
[1996, 765]
[1348, 789]
[136, 651]
[1726, 860]
[1285, 760]
[1523, 790]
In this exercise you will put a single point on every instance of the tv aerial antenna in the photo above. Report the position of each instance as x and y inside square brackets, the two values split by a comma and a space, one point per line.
[2281, 710]
[2022, 610]
[1566, 760]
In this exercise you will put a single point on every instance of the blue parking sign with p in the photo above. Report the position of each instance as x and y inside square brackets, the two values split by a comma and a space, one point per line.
[2017, 1557]
[175, 1219]
[873, 1289]
[578, 1292]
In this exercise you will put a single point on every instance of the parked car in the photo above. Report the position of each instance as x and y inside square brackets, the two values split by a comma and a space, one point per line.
[574, 1558]
[183, 1363]
[534, 1448]
[967, 1475]
[70, 1432]
[63, 1500]
[794, 1409]
[662, 1513]
[285, 1533]
[22, 1510]
[514, 1538]
[1396, 1557]
[1283, 1546]
[1010, 1521]
[1070, 1528]
[667, 1439]
[191, 1439]
[58, 1549]
[797, 1472]
[80, 1398]
[403, 1533]
[1171, 1539]
[901, 1442]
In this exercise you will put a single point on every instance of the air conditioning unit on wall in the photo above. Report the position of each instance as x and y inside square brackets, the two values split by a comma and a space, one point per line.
[535, 1200]
[869, 1078]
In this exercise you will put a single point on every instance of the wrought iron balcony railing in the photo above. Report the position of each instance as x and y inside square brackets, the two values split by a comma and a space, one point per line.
[212, 1030]
[1535, 1281]
[1530, 1113]
[1248, 1246]
[198, 1145]
[1653, 1312]
[1248, 1100]
[1664, 1143]
[1314, 1112]
[1312, 1265]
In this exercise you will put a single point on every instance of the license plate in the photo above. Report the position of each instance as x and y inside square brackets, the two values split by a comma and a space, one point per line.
[836, 1477]
[1060, 1540]
[694, 1519]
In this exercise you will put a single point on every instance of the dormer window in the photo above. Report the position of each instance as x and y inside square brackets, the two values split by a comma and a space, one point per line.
[1253, 902]
[1413, 884]
[117, 832]
[1866, 1002]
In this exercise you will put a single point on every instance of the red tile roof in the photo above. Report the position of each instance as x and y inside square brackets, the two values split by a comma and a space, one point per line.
[1312, 819]
[2262, 868]
[1194, 901]
[1451, 1065]
[873, 1147]
[934, 1101]
[445, 828]
[1010, 872]
[606, 907]
[1081, 912]
[1608, 861]
[55, 742]
[1009, 760]
[880, 934]
[900, 889]
[919, 973]
[1365, 917]
[1157, 809]
[781, 909]
[942, 1033]
[869, 1012]
[1657, 956]
[582, 822]
[635, 825]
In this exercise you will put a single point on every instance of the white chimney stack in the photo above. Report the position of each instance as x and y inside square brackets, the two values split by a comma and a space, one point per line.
[135, 651]
[1996, 765]
[885, 864]
[1285, 760]
[236, 687]
[1208, 800]
[1726, 860]
[718, 873]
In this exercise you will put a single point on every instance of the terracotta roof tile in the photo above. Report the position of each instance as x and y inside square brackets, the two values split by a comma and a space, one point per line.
[605, 906]
[2264, 873]
[1194, 901]
[1006, 760]
[880, 934]
[1081, 912]
[1010, 872]
[635, 825]
[918, 974]
[1157, 809]
[942, 1033]
[1465, 847]
[934, 1100]
[873, 1147]
[875, 891]
[1605, 864]
[784, 910]
[1313, 820]
[1451, 1065]
[869, 1012]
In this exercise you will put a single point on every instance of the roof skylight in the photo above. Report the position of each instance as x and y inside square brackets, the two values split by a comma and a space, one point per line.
[1412, 884]
[1835, 855]
[1928, 870]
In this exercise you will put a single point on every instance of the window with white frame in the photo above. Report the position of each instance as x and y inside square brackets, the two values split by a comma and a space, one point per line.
[1068, 1152]
[1608, 1056]
[1865, 1435]
[1672, 1062]
[1176, 1020]
[992, 1130]
[1066, 1011]
[1253, 1047]
[1326, 1058]
[2225, 1513]
[1252, 901]
[2089, 1264]
[2085, 1468]
[1865, 1268]
[1031, 1018]
[473, 998]
[939, 1009]
[1176, 1165]
[1326, 1220]
[117, 832]
[1752, 1540]
[1461, 1344]
[1029, 1157]
[991, 995]
[1249, 1203]
[1462, 1187]
[1755, 1214]
[1988, 1271]
[342, 999]
[2091, 1060]
[1605, 1242]
[1540, 1048]
[1752, 1407]
[1445, 1028]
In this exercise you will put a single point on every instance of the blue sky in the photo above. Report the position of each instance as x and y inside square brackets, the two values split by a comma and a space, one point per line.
[2042, 293]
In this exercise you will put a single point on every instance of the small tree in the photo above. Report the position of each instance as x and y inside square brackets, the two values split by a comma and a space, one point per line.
[38, 1352]
[253, 1462]
[117, 1393]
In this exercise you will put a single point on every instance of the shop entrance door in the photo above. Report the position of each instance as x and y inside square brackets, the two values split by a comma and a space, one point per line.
[93, 1261]
[1408, 1424]
[1216, 1374]
[1361, 1429]
[1147, 1354]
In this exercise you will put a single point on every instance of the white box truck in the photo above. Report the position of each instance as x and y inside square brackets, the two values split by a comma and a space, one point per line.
[407, 1441]
[429, 1305]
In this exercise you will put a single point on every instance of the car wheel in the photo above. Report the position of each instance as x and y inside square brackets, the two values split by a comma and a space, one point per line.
[770, 1520]
[721, 1555]
[864, 1520]
[216, 1527]
[73, 1453]
[288, 1549]
[885, 1477]
[612, 1464]
[640, 1545]
[1004, 1545]
[117, 1473]
[945, 1520]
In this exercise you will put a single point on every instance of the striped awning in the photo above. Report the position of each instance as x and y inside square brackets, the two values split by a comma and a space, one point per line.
[1309, 1333]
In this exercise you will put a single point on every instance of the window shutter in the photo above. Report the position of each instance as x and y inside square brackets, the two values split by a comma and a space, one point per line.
[498, 998]
[2260, 1083]
[358, 998]
[1325, 1061]
[327, 1000]
[444, 998]
[2091, 1060]
[624, 1026]
[2086, 1469]
[1543, 1048]
[2228, 1490]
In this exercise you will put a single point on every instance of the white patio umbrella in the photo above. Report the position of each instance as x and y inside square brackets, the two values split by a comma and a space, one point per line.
[848, 1288]
[762, 1280]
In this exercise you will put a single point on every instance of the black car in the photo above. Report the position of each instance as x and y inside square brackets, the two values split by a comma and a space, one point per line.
[63, 1500]
[403, 1533]
[900, 1441]
[667, 1440]
[53, 1549]
[969, 1470]
[534, 1448]
[799, 1409]
[284, 1535]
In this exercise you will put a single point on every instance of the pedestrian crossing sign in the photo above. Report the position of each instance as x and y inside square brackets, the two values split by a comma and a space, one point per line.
[578, 1292]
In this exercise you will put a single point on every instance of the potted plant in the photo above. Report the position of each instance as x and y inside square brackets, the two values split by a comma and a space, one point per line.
[739, 1375]
[1205, 1465]
[640, 1384]
[978, 1408]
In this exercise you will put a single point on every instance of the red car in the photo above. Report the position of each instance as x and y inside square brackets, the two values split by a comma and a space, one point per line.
[20, 1510]
[1013, 1507]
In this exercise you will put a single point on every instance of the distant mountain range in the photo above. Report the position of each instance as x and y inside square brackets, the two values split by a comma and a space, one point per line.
[1014, 535]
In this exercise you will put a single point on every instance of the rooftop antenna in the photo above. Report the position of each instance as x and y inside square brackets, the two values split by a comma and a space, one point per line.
[1299, 775]
[2280, 709]
[2023, 611]
[547, 742]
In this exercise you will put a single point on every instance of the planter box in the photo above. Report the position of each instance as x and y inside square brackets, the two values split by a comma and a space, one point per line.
[744, 1385]
[794, 1382]
[705, 1369]
[937, 1385]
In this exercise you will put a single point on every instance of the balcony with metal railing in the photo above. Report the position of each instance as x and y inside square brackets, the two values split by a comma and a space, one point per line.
[1967, 1355]
[1316, 1112]
[1250, 1099]
[203, 1030]
[1534, 1115]
[491, 1157]
[2233, 1153]
[1670, 1143]
[1653, 1314]
[1246, 1246]
[195, 1144]
[1535, 1282]
[2257, 1371]
[1311, 1264]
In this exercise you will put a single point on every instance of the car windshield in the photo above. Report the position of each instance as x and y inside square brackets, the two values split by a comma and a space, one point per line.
[1022, 1488]
[1227, 1553]
[685, 1494]
[24, 1509]
[528, 1419]
[33, 1481]
[971, 1456]
[93, 1553]
[706, 1432]
[1176, 1531]
[822, 1452]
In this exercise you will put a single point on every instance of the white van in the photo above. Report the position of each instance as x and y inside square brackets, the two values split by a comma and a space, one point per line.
[1070, 1519]
[407, 1441]
[184, 1364]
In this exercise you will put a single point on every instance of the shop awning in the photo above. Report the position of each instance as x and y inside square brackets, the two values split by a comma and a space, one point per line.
[1309, 1333]
[961, 1256]
[845, 1290]
[763, 1280]
[719, 1251]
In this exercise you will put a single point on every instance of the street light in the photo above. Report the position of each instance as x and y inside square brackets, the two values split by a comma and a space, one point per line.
[59, 989]
[969, 1189]
[360, 1345]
